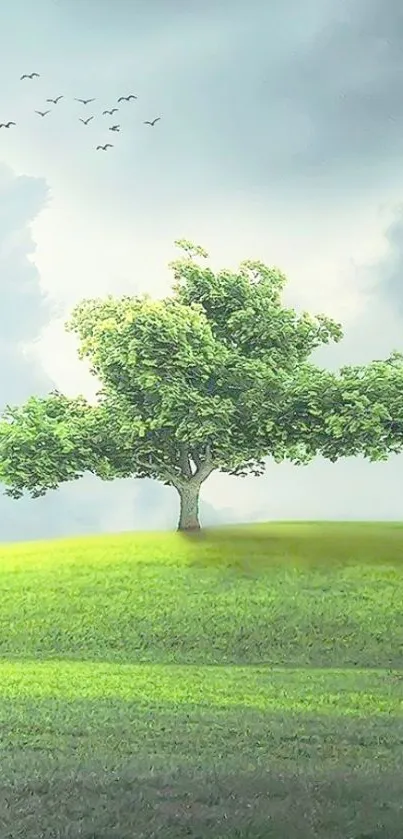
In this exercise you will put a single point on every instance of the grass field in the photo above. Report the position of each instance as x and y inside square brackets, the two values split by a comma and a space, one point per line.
[246, 684]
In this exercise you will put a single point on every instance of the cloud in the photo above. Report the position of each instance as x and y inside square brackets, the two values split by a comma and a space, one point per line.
[347, 81]
[386, 274]
[326, 100]
[24, 309]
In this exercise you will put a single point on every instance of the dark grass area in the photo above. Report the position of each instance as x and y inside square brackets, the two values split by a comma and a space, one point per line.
[121, 770]
[246, 684]
[91, 803]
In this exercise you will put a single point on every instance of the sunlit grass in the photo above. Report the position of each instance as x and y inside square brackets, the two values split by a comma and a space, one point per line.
[294, 595]
[262, 688]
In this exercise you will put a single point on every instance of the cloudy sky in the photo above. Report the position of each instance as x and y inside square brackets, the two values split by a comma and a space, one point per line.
[281, 139]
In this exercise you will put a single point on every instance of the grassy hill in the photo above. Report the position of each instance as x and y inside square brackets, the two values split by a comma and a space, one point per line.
[248, 683]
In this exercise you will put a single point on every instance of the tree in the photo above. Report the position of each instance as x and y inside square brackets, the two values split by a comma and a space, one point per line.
[215, 376]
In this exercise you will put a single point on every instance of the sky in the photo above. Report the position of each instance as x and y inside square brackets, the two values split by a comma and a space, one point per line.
[280, 139]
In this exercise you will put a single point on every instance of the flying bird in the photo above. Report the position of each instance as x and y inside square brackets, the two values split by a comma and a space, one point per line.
[55, 101]
[110, 112]
[152, 122]
[86, 121]
[29, 76]
[127, 98]
[105, 147]
[114, 128]
[42, 113]
[85, 101]
[6, 124]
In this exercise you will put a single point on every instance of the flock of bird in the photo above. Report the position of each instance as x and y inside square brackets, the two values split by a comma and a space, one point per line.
[110, 112]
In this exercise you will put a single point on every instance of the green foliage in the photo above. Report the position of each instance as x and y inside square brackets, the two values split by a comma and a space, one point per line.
[42, 444]
[360, 411]
[215, 376]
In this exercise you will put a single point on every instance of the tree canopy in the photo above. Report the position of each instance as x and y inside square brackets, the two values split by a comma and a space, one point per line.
[216, 376]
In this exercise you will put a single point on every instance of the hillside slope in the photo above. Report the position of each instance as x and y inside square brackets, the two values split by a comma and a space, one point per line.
[253, 676]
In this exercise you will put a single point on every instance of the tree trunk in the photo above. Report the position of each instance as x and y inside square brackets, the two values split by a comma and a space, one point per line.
[189, 483]
[189, 506]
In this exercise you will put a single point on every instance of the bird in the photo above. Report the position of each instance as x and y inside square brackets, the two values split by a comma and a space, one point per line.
[42, 113]
[127, 98]
[29, 76]
[85, 101]
[152, 122]
[114, 128]
[6, 124]
[86, 121]
[105, 147]
[110, 112]
[55, 101]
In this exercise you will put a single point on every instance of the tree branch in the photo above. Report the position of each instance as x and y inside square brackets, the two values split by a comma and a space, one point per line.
[184, 462]
[196, 458]
[160, 473]
[204, 466]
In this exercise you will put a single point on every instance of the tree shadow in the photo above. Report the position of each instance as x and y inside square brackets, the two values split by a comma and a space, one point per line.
[292, 544]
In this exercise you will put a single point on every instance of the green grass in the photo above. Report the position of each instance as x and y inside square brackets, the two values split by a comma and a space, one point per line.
[244, 684]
